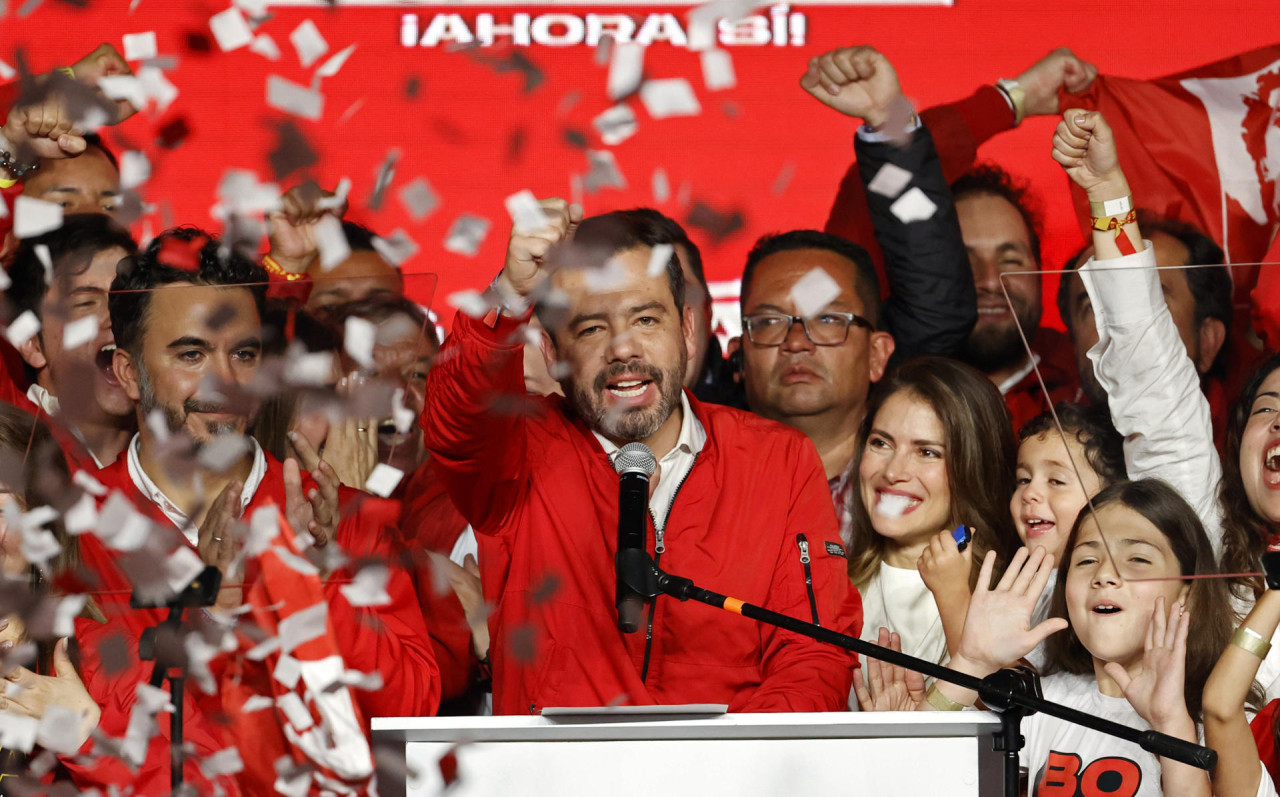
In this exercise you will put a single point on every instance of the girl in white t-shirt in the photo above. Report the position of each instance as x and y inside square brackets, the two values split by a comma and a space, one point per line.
[1136, 647]
[935, 451]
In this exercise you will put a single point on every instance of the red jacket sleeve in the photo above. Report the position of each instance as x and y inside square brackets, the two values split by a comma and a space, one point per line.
[802, 674]
[958, 129]
[479, 448]
[390, 639]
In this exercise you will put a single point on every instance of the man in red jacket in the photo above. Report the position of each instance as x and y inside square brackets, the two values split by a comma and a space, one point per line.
[187, 320]
[740, 503]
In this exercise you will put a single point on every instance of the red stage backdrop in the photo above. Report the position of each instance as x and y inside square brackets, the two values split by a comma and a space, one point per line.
[482, 122]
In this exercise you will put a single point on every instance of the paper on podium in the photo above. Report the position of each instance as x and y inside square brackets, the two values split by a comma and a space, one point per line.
[684, 710]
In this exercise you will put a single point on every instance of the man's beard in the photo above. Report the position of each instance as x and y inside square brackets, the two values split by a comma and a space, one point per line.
[176, 419]
[625, 423]
[991, 348]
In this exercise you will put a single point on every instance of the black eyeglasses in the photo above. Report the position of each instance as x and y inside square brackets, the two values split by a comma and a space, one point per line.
[825, 329]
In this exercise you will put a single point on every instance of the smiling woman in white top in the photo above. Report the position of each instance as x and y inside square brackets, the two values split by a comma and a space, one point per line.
[934, 452]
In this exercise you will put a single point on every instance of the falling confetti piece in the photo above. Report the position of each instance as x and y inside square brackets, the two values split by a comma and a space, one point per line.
[135, 169]
[22, 328]
[616, 124]
[230, 29]
[383, 480]
[265, 46]
[913, 206]
[335, 62]
[814, 291]
[526, 214]
[671, 97]
[285, 95]
[369, 585]
[659, 257]
[717, 70]
[140, 46]
[419, 199]
[466, 235]
[308, 42]
[890, 181]
[626, 70]
[79, 332]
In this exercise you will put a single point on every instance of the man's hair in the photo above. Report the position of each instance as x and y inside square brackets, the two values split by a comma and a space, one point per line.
[176, 256]
[656, 228]
[71, 248]
[359, 238]
[94, 141]
[865, 282]
[1210, 286]
[1091, 427]
[381, 307]
[596, 240]
[990, 180]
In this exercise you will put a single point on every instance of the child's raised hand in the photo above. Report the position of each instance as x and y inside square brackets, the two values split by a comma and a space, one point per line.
[997, 630]
[945, 568]
[1156, 691]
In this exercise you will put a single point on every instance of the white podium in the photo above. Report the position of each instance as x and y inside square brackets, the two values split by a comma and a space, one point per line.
[607, 752]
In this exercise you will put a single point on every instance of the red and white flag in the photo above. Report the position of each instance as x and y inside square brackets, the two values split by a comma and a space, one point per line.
[1202, 146]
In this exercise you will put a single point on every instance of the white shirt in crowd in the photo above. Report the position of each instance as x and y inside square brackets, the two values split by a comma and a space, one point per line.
[1061, 756]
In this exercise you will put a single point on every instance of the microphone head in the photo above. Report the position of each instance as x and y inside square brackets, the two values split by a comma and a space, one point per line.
[635, 458]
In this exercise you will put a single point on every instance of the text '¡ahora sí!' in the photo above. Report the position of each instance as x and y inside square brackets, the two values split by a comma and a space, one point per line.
[780, 27]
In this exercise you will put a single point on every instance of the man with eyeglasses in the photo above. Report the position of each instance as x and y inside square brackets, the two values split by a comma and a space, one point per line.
[813, 375]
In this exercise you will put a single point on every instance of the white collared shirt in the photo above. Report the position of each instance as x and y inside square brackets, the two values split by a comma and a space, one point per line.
[171, 510]
[675, 464]
[49, 404]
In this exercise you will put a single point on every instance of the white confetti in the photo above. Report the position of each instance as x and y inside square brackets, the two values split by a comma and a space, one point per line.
[890, 181]
[813, 292]
[335, 63]
[717, 70]
[32, 217]
[7, 72]
[309, 43]
[331, 242]
[659, 256]
[22, 328]
[892, 505]
[86, 482]
[913, 206]
[140, 46]
[254, 8]
[230, 29]
[626, 69]
[46, 260]
[64, 616]
[358, 337]
[288, 670]
[339, 197]
[395, 248]
[303, 626]
[785, 174]
[38, 546]
[156, 86]
[419, 199]
[383, 480]
[661, 186]
[120, 526]
[59, 730]
[608, 277]
[256, 703]
[265, 46]
[616, 124]
[181, 567]
[466, 235]
[135, 169]
[369, 586]
[604, 171]
[285, 95]
[82, 515]
[124, 87]
[224, 762]
[223, 452]
[4, 209]
[18, 731]
[295, 711]
[670, 97]
[473, 303]
[526, 214]
[309, 369]
[79, 332]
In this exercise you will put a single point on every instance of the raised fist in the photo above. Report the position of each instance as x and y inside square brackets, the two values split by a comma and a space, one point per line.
[1085, 147]
[1060, 69]
[43, 130]
[526, 251]
[856, 81]
[292, 227]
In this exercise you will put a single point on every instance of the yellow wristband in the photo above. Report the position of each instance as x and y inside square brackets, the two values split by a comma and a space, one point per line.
[941, 702]
[1251, 641]
[274, 268]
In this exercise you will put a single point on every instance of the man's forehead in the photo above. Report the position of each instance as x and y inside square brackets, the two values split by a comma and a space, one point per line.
[622, 278]
[779, 277]
[206, 307]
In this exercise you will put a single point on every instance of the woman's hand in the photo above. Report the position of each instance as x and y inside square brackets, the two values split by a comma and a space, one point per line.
[37, 693]
[887, 687]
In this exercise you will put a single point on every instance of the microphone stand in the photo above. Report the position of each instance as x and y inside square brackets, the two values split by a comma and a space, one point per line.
[1014, 693]
[162, 644]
